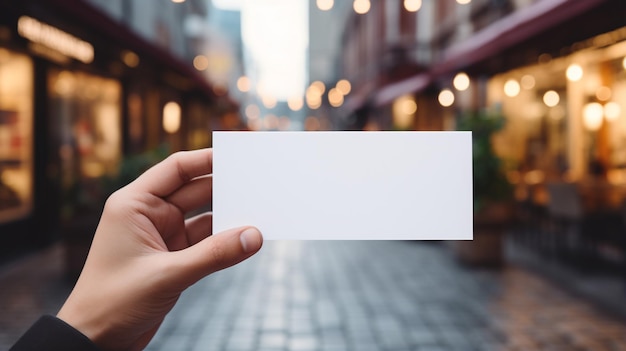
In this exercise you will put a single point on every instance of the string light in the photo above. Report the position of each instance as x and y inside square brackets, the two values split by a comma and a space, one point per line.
[361, 6]
[412, 5]
[325, 5]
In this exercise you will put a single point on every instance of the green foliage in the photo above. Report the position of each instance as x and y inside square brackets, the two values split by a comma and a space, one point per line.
[490, 182]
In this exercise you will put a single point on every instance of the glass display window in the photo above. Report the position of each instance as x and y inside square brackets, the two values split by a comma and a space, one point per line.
[16, 142]
[85, 111]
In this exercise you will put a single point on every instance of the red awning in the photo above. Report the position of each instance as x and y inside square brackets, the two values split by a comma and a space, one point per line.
[509, 31]
[408, 86]
[492, 40]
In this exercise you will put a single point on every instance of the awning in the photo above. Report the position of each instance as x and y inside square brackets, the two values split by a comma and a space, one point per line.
[408, 86]
[511, 30]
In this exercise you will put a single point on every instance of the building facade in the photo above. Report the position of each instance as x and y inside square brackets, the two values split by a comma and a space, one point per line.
[81, 90]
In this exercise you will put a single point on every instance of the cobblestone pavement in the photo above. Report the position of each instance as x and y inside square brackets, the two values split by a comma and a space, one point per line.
[365, 296]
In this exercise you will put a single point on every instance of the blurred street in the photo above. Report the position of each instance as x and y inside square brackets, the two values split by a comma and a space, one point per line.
[361, 295]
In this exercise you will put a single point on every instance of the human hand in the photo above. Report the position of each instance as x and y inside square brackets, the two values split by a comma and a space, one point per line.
[144, 253]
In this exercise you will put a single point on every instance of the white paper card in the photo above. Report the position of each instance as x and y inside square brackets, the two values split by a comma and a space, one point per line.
[344, 185]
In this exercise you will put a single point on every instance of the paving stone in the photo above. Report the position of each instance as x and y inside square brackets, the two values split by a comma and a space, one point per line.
[273, 340]
[303, 343]
[351, 296]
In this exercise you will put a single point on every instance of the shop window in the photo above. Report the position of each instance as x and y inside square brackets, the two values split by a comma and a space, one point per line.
[86, 123]
[16, 144]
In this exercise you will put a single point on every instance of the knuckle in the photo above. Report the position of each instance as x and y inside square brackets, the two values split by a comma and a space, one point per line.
[217, 253]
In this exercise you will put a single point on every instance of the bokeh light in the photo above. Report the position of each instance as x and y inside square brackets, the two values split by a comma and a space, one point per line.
[604, 93]
[412, 5]
[295, 103]
[317, 87]
[446, 98]
[325, 5]
[243, 84]
[612, 111]
[551, 98]
[592, 116]
[461, 81]
[335, 97]
[574, 72]
[344, 86]
[511, 88]
[361, 6]
[171, 117]
[253, 111]
[311, 123]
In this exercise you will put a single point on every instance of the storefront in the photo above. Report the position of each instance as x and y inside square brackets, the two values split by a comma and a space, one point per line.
[79, 93]
[566, 117]
[16, 143]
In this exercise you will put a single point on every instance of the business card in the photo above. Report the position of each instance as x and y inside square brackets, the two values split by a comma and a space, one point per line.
[344, 185]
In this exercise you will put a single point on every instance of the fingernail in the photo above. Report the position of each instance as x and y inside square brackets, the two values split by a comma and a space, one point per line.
[250, 240]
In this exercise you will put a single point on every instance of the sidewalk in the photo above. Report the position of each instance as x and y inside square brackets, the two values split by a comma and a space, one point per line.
[369, 295]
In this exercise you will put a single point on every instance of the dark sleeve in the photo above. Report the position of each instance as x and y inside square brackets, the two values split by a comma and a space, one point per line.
[51, 333]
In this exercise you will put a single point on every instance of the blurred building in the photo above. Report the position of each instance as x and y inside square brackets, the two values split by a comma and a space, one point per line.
[555, 69]
[83, 85]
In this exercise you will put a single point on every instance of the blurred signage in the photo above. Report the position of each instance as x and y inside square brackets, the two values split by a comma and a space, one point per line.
[54, 38]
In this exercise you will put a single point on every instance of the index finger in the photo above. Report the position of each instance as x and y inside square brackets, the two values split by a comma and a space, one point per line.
[175, 171]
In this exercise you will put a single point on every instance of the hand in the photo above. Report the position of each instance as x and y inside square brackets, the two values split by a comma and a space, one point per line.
[144, 253]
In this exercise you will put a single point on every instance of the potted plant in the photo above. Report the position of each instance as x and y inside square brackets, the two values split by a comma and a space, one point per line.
[493, 194]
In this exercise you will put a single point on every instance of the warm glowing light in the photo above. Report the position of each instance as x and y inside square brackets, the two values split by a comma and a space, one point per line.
[314, 95]
[463, 2]
[603, 93]
[574, 72]
[624, 63]
[461, 81]
[612, 111]
[253, 111]
[313, 101]
[295, 103]
[130, 59]
[335, 98]
[243, 84]
[592, 116]
[311, 123]
[54, 38]
[404, 109]
[446, 98]
[412, 5]
[361, 6]
[511, 88]
[178, 1]
[344, 86]
[551, 98]
[171, 117]
[317, 87]
[269, 101]
[201, 62]
[325, 5]
[527, 82]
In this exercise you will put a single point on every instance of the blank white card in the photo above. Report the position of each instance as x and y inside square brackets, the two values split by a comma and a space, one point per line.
[344, 185]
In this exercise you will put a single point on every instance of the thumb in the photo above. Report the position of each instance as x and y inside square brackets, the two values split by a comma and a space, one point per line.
[215, 253]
